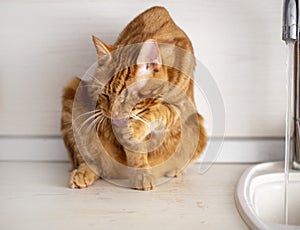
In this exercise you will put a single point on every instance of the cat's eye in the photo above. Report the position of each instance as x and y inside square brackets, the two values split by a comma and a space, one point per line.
[122, 99]
[123, 96]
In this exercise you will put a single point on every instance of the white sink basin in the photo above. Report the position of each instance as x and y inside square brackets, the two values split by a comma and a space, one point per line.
[260, 197]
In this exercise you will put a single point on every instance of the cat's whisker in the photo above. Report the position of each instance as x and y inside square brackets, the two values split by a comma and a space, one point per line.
[97, 125]
[93, 123]
[88, 129]
[87, 113]
[140, 119]
[88, 120]
[100, 123]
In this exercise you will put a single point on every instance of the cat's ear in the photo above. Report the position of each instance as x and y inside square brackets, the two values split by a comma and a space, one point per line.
[149, 57]
[102, 49]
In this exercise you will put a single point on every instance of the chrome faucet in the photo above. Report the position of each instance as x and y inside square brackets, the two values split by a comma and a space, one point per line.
[290, 33]
[290, 20]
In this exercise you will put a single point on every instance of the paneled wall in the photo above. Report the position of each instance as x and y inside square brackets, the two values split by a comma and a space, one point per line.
[45, 43]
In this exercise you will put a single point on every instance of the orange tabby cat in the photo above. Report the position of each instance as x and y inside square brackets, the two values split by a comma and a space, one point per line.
[121, 132]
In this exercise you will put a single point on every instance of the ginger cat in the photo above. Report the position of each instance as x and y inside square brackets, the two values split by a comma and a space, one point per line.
[155, 95]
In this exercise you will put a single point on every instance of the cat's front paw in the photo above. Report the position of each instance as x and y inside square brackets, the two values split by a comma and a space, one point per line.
[82, 177]
[134, 132]
[143, 181]
[139, 130]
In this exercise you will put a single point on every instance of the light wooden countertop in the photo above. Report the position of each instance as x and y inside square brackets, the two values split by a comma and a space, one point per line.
[35, 196]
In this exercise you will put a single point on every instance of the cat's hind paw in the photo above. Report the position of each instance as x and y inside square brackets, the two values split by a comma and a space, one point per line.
[143, 181]
[82, 177]
[174, 173]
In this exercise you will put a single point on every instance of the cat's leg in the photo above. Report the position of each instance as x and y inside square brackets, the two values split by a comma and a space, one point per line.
[138, 132]
[168, 117]
[141, 178]
[81, 176]
[133, 135]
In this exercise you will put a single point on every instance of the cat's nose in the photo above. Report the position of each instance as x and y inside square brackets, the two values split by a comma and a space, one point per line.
[117, 120]
[114, 115]
[121, 123]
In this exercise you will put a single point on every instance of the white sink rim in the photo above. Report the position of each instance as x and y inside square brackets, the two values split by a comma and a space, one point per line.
[243, 198]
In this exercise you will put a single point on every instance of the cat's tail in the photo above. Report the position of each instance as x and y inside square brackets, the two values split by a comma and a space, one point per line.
[202, 141]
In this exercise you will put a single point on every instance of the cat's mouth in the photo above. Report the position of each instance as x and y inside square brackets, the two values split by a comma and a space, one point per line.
[121, 122]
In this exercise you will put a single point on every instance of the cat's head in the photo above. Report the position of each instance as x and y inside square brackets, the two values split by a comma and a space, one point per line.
[130, 86]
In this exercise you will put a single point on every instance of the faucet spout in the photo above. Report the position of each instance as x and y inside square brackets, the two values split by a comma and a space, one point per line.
[290, 34]
[290, 20]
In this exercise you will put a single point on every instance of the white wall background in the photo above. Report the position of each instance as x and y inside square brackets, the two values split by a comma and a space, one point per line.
[44, 43]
